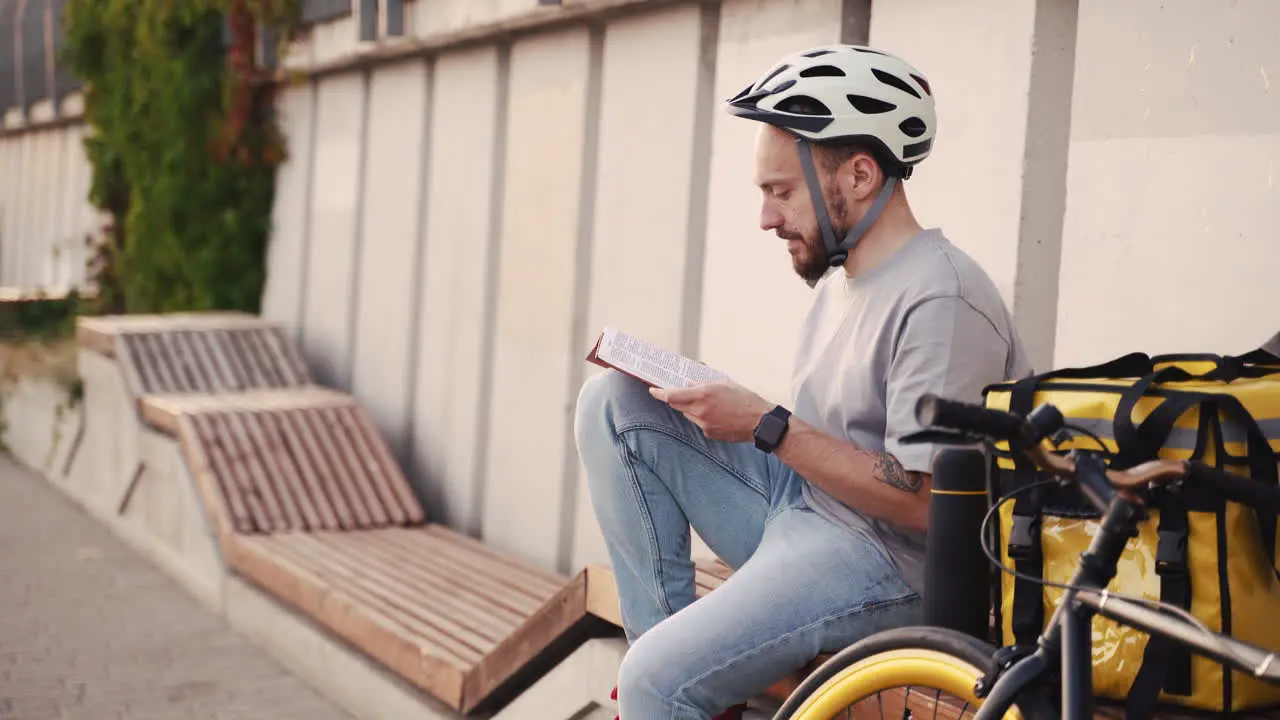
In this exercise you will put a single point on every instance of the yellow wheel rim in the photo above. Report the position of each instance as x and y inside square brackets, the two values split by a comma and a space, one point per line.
[894, 669]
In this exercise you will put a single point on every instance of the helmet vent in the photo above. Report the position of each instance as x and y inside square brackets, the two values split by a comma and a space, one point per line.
[817, 53]
[822, 71]
[923, 83]
[894, 81]
[869, 51]
[870, 106]
[912, 127]
[803, 105]
[764, 81]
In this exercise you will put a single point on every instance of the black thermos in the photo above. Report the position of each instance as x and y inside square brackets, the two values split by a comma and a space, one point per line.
[957, 587]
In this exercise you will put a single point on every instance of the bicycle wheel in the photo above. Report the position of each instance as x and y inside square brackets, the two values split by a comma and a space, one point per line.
[915, 672]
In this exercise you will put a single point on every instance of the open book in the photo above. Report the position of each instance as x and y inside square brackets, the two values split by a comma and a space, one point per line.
[649, 363]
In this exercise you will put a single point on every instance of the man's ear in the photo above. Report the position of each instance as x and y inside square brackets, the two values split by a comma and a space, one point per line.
[864, 176]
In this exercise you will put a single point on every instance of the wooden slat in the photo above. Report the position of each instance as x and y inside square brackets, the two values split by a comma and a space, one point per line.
[209, 360]
[556, 616]
[474, 607]
[515, 568]
[199, 465]
[357, 624]
[292, 459]
[462, 572]
[421, 625]
[465, 602]
[98, 332]
[377, 457]
[279, 444]
[195, 352]
[162, 411]
[453, 635]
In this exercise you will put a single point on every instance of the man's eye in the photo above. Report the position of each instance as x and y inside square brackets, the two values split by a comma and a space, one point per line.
[782, 194]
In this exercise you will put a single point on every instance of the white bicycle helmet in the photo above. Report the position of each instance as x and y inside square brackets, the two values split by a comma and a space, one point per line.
[846, 93]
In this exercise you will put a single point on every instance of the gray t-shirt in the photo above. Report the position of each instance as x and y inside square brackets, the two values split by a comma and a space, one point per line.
[927, 319]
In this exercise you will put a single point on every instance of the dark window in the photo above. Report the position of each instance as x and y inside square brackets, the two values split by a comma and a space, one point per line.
[8, 56]
[64, 82]
[35, 84]
[318, 11]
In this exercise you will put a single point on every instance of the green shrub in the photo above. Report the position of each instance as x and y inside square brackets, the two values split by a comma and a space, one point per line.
[184, 144]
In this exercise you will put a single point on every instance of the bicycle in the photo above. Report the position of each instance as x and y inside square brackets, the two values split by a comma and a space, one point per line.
[1016, 682]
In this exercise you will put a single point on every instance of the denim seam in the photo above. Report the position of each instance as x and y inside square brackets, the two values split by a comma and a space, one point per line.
[646, 517]
[686, 710]
[666, 430]
[869, 536]
[864, 607]
[776, 511]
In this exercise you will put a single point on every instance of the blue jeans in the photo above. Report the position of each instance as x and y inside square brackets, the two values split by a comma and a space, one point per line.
[802, 584]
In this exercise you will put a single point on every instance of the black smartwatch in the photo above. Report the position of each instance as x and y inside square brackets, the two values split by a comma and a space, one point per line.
[772, 428]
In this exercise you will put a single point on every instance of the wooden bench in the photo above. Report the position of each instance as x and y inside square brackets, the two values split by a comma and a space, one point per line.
[309, 505]
[203, 352]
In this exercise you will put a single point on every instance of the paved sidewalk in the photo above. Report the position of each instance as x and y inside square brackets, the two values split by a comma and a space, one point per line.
[91, 631]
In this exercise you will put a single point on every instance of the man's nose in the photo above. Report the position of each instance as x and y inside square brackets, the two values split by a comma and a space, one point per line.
[770, 218]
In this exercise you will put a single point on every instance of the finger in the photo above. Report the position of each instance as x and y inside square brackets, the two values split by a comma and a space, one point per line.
[659, 393]
[678, 398]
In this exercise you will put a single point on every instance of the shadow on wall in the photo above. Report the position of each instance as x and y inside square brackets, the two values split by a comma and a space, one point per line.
[1273, 345]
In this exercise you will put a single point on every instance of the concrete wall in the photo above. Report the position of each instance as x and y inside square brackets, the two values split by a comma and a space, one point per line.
[45, 215]
[453, 231]
[1173, 196]
[453, 228]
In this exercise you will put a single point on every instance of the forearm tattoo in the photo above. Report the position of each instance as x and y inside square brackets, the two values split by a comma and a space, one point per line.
[890, 472]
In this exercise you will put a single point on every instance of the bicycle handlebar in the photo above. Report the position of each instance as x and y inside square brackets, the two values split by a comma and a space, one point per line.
[1235, 487]
[939, 412]
[1026, 435]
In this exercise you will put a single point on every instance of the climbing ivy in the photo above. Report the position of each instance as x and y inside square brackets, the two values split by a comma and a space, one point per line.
[184, 144]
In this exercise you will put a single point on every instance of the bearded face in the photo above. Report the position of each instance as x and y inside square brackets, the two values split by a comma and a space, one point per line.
[804, 240]
[786, 205]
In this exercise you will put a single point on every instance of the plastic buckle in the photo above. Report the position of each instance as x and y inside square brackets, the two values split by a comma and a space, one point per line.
[1003, 659]
[1024, 536]
[1171, 553]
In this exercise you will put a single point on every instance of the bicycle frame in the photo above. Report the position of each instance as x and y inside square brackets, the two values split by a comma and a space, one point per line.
[1067, 642]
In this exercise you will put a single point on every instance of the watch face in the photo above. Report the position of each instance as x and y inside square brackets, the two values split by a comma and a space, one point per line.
[770, 428]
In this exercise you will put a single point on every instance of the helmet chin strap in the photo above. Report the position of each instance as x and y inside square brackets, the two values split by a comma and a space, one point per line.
[837, 253]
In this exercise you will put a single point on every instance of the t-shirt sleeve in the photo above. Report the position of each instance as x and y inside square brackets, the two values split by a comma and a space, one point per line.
[946, 348]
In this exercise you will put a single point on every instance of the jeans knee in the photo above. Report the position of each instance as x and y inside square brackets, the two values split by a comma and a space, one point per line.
[648, 680]
[595, 413]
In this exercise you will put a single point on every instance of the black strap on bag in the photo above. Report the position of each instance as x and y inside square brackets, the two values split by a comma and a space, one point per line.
[1139, 444]
[1166, 665]
[1255, 364]
[1228, 368]
[1024, 536]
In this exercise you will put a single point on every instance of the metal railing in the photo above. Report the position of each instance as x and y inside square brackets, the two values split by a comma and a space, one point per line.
[30, 40]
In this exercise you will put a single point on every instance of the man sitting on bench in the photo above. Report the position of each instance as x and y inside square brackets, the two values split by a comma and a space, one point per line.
[817, 505]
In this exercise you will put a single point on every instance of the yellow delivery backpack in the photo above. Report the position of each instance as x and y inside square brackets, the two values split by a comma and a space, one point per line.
[1216, 559]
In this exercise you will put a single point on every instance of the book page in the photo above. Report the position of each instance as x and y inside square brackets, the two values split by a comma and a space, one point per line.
[653, 364]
